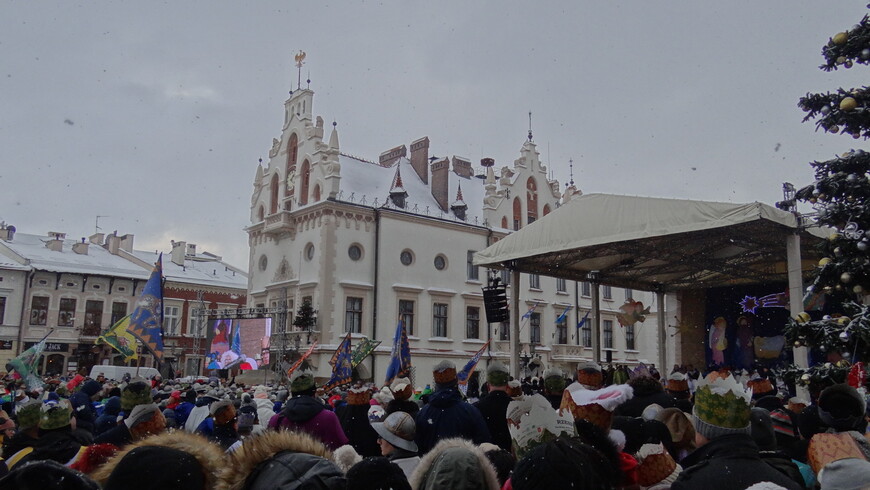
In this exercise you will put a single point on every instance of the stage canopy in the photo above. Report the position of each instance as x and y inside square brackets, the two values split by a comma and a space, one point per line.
[656, 244]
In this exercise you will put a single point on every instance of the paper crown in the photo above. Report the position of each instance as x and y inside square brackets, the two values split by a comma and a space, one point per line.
[28, 414]
[760, 387]
[358, 396]
[532, 421]
[596, 406]
[656, 465]
[444, 372]
[302, 381]
[55, 414]
[401, 388]
[677, 382]
[640, 371]
[722, 406]
[497, 374]
[827, 448]
[589, 375]
[514, 389]
[135, 393]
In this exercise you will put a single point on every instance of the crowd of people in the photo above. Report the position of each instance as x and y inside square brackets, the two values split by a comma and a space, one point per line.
[597, 428]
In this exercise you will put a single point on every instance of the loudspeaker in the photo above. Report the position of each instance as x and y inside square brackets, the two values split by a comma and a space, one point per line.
[495, 303]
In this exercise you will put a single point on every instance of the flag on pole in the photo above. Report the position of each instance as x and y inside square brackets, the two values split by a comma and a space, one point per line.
[561, 318]
[400, 355]
[467, 371]
[299, 361]
[583, 320]
[26, 363]
[120, 339]
[146, 321]
[342, 370]
[362, 350]
[528, 314]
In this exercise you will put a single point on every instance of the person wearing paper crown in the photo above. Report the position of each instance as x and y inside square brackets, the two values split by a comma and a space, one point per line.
[447, 415]
[494, 405]
[589, 375]
[554, 385]
[726, 457]
[305, 413]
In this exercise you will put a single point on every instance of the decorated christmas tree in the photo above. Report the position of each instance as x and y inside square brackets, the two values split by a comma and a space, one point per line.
[305, 318]
[836, 325]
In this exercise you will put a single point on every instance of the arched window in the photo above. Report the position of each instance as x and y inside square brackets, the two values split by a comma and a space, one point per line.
[305, 176]
[546, 209]
[316, 194]
[261, 213]
[518, 214]
[292, 152]
[504, 223]
[273, 201]
[532, 199]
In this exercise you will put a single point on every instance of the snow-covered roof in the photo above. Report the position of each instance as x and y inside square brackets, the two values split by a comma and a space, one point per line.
[201, 269]
[97, 261]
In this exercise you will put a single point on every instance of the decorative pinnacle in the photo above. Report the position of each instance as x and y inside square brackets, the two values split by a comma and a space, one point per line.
[530, 125]
[571, 167]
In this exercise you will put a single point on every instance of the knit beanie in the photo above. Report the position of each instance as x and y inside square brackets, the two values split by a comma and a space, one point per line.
[721, 407]
[842, 407]
[497, 374]
[377, 473]
[28, 414]
[136, 393]
[845, 474]
[44, 475]
[762, 429]
[166, 468]
[222, 412]
[302, 381]
[554, 380]
[55, 414]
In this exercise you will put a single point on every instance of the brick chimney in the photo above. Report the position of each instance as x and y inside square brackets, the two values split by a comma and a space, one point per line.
[388, 157]
[462, 167]
[178, 251]
[97, 238]
[113, 243]
[127, 243]
[191, 249]
[55, 244]
[440, 182]
[81, 248]
[420, 158]
[6, 232]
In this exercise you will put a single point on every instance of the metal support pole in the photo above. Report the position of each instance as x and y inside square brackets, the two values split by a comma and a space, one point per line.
[515, 324]
[596, 316]
[796, 290]
[663, 337]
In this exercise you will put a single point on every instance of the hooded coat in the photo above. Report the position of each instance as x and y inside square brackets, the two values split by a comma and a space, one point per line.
[455, 464]
[447, 415]
[282, 460]
[109, 418]
[493, 407]
[81, 403]
[308, 415]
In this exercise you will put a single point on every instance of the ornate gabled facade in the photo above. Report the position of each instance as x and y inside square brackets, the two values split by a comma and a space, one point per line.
[368, 243]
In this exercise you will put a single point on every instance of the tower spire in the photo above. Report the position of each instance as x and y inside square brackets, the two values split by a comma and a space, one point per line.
[571, 167]
[300, 60]
[530, 125]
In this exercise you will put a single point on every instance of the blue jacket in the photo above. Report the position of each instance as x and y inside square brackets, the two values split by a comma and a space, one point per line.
[447, 415]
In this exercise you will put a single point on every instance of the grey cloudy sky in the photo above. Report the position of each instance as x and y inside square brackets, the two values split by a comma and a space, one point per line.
[154, 114]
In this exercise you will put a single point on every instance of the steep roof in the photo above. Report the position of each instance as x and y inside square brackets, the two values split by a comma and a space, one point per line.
[202, 269]
[97, 261]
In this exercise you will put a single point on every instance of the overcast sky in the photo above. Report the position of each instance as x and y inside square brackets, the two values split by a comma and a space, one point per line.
[154, 115]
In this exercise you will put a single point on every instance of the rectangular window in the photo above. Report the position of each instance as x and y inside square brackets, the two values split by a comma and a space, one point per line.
[93, 318]
[472, 322]
[516, 224]
[67, 314]
[629, 294]
[629, 337]
[535, 328]
[504, 331]
[562, 331]
[119, 310]
[534, 281]
[472, 270]
[2, 309]
[406, 312]
[39, 310]
[560, 285]
[585, 289]
[506, 277]
[171, 319]
[439, 320]
[586, 334]
[353, 315]
[607, 292]
[608, 334]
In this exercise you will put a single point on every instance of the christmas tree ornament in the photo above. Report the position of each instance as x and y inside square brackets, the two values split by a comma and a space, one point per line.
[805, 378]
[843, 320]
[834, 129]
[802, 317]
[848, 63]
[862, 246]
[846, 355]
[858, 289]
[825, 261]
[833, 236]
[846, 278]
[838, 252]
[851, 178]
[826, 318]
[848, 104]
[852, 232]
[840, 37]
[844, 336]
[825, 110]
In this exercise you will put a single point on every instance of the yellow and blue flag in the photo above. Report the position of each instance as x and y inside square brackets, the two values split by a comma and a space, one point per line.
[342, 369]
[120, 339]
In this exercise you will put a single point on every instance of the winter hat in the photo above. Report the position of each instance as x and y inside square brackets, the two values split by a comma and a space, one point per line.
[189, 396]
[589, 375]
[841, 407]
[845, 474]
[401, 388]
[762, 429]
[199, 388]
[345, 457]
[721, 408]
[46, 475]
[177, 469]
[782, 424]
[112, 406]
[399, 429]
[222, 412]
[596, 406]
[650, 412]
[302, 381]
[91, 387]
[656, 466]
[28, 414]
[497, 374]
[55, 414]
[554, 380]
[444, 373]
[564, 463]
[377, 474]
[680, 427]
[135, 393]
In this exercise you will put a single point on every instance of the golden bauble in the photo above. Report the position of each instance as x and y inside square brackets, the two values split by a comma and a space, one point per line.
[802, 317]
[833, 236]
[843, 320]
[840, 37]
[825, 261]
[858, 289]
[805, 378]
[834, 129]
[848, 104]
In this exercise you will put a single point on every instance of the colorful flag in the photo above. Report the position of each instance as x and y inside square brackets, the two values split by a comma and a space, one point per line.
[26, 363]
[531, 310]
[146, 321]
[299, 361]
[467, 371]
[120, 339]
[561, 318]
[400, 355]
[583, 321]
[362, 350]
[342, 370]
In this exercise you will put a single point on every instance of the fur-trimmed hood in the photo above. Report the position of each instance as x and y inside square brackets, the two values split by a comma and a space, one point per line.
[209, 455]
[448, 465]
[295, 450]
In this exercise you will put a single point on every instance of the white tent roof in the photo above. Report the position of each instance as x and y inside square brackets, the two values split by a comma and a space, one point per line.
[652, 243]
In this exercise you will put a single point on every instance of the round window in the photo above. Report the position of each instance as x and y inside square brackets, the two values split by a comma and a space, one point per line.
[309, 251]
[354, 252]
[263, 262]
[406, 257]
[440, 262]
